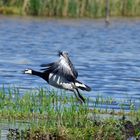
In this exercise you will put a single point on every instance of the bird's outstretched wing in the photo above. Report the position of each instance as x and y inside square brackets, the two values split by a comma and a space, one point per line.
[63, 67]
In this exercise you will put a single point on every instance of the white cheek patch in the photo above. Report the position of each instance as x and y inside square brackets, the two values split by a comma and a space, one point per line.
[28, 71]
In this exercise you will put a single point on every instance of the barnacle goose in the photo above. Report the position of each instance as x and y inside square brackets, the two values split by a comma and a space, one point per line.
[61, 74]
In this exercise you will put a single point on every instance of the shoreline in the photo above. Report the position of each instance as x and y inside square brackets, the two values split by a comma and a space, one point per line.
[114, 18]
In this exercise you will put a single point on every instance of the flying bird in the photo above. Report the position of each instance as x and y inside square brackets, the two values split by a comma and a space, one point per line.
[61, 74]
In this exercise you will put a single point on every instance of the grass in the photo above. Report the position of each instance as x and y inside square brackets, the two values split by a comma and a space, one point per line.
[60, 116]
[70, 8]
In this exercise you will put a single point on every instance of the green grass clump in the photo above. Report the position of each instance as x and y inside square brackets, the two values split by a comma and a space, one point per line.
[58, 115]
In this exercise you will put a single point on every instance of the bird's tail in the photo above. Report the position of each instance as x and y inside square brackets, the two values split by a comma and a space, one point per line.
[82, 86]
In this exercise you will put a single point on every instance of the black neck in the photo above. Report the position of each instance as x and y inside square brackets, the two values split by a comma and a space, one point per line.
[41, 74]
[37, 73]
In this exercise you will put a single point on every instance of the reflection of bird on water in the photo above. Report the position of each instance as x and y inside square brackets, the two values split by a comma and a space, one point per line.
[61, 74]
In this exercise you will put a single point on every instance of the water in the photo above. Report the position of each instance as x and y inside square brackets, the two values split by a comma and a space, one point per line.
[6, 125]
[106, 57]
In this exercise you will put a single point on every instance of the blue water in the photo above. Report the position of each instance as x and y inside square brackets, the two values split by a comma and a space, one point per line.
[106, 57]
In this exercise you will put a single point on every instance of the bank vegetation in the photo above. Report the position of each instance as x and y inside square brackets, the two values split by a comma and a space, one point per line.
[71, 8]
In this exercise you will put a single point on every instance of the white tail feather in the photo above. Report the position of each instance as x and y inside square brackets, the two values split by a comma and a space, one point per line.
[82, 86]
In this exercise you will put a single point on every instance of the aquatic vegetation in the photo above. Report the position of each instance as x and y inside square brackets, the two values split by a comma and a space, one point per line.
[71, 8]
[59, 115]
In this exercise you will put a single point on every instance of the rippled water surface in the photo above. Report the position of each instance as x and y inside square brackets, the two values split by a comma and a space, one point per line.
[106, 57]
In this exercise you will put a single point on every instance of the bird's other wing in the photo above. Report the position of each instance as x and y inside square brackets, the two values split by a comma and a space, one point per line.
[49, 67]
[63, 67]
[71, 67]
[46, 65]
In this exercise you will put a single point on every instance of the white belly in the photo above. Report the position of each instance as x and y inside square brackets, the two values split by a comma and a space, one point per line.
[60, 82]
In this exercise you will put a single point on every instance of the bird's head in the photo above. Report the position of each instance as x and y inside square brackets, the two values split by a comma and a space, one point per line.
[28, 71]
[63, 54]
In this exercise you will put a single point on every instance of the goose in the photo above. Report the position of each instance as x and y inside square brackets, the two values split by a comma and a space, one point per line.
[61, 74]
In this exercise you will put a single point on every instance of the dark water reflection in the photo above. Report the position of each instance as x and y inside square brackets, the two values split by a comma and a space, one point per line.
[107, 57]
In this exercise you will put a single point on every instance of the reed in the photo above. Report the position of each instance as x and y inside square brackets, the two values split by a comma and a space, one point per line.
[71, 8]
